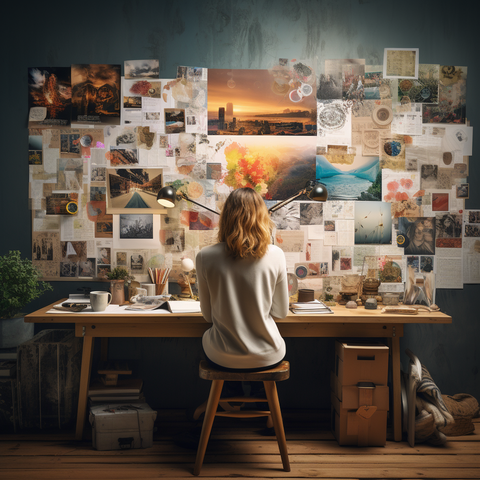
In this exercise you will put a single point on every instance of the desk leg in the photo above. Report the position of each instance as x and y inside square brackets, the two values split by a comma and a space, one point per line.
[396, 389]
[87, 356]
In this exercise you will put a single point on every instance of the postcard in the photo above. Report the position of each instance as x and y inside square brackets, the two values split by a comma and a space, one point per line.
[35, 150]
[49, 96]
[423, 89]
[134, 190]
[375, 86]
[392, 152]
[418, 234]
[452, 97]
[136, 231]
[142, 68]
[353, 76]
[59, 203]
[276, 105]
[355, 181]
[330, 82]
[373, 223]
[70, 174]
[96, 94]
[174, 120]
[334, 122]
[400, 62]
[311, 213]
[290, 240]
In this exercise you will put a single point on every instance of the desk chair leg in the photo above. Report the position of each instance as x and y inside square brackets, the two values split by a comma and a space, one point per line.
[276, 413]
[212, 404]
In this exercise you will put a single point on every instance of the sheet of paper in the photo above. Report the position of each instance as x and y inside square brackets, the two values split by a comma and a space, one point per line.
[400, 63]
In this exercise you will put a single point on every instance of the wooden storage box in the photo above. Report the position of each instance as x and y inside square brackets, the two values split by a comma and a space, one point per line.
[48, 373]
[122, 426]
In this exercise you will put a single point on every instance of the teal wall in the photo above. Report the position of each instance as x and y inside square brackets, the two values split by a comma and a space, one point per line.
[239, 34]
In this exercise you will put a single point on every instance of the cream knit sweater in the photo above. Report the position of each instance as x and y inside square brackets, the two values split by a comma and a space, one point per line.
[240, 297]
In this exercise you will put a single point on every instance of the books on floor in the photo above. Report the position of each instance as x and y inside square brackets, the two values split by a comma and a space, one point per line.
[129, 390]
[315, 306]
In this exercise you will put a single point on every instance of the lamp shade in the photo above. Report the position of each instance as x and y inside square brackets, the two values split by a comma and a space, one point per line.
[319, 193]
[167, 196]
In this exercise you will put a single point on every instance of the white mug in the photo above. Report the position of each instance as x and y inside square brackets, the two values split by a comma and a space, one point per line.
[141, 293]
[149, 287]
[99, 300]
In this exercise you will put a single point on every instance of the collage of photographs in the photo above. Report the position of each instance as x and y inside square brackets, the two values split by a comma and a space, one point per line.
[390, 143]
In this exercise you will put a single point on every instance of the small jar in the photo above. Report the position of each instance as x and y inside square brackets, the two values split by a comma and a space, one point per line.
[390, 298]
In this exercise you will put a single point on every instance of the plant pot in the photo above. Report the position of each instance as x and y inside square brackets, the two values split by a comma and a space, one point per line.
[117, 288]
[14, 331]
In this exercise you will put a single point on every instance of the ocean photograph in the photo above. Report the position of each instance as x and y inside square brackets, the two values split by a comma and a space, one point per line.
[360, 180]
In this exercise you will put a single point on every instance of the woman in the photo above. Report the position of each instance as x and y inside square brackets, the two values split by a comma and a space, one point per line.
[242, 285]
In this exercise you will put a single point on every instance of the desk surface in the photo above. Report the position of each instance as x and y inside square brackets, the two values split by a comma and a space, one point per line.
[340, 314]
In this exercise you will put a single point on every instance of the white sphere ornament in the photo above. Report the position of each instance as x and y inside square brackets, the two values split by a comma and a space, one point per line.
[187, 264]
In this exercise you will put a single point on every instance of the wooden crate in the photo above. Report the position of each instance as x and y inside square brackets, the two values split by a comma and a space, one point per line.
[48, 374]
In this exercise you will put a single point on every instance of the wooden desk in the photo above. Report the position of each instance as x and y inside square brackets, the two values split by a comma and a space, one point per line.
[343, 323]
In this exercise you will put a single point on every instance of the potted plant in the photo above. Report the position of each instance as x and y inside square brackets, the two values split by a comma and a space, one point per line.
[20, 284]
[119, 279]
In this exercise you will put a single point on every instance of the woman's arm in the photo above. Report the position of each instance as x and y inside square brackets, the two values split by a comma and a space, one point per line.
[280, 296]
[203, 291]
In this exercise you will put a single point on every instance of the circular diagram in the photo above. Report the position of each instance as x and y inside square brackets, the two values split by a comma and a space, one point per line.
[332, 117]
[382, 115]
[301, 271]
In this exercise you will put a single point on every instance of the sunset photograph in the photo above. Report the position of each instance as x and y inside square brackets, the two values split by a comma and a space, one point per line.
[259, 102]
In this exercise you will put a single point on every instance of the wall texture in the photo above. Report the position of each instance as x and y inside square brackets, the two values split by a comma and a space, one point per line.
[238, 34]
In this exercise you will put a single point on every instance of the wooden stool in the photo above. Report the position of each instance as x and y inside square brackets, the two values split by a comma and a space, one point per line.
[268, 377]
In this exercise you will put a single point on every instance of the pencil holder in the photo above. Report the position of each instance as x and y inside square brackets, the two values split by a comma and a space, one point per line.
[161, 288]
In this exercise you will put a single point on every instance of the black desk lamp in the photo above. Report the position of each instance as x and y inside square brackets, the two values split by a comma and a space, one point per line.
[168, 195]
[314, 190]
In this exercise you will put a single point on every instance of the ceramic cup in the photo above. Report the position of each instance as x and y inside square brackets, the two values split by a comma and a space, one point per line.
[141, 294]
[99, 300]
[149, 287]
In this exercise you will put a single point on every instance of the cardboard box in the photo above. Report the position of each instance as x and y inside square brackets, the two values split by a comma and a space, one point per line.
[122, 426]
[360, 362]
[361, 418]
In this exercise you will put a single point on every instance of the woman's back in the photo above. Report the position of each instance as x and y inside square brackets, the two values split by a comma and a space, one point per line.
[240, 296]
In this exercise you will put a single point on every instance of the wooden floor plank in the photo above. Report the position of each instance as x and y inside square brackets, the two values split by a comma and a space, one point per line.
[236, 449]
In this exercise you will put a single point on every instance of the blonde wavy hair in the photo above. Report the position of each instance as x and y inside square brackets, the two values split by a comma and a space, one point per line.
[245, 225]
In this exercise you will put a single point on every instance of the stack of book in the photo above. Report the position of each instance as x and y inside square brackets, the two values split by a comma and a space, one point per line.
[315, 306]
[128, 390]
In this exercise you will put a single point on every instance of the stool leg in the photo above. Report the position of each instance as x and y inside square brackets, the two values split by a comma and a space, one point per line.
[212, 404]
[274, 405]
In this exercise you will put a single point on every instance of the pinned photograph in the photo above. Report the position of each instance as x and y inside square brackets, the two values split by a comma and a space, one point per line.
[96, 94]
[463, 191]
[419, 233]
[136, 226]
[281, 101]
[174, 120]
[87, 268]
[373, 223]
[134, 190]
[49, 96]
[400, 62]
[142, 69]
